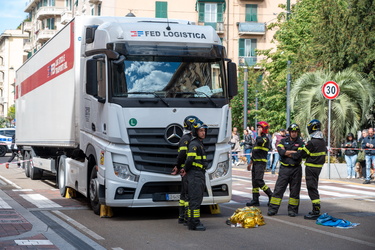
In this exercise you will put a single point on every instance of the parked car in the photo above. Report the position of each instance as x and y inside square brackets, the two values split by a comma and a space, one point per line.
[6, 135]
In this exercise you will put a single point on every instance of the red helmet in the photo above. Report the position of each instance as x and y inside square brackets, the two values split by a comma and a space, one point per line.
[264, 125]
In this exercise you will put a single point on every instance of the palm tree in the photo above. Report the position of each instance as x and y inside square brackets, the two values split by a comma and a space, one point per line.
[349, 109]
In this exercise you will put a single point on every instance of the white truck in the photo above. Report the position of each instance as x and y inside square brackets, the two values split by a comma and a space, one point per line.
[101, 106]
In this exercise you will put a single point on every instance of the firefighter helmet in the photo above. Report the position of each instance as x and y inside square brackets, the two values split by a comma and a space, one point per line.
[313, 126]
[196, 126]
[265, 126]
[294, 127]
[189, 121]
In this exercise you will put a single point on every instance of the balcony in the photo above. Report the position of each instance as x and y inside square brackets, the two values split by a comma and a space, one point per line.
[66, 16]
[44, 35]
[27, 26]
[95, 1]
[27, 47]
[219, 27]
[30, 5]
[49, 11]
[251, 28]
[247, 60]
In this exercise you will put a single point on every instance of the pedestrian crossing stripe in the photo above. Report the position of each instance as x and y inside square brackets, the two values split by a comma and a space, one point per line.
[4, 205]
[39, 200]
[33, 242]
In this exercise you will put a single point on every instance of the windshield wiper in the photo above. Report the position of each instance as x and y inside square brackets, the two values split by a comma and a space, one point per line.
[149, 93]
[195, 93]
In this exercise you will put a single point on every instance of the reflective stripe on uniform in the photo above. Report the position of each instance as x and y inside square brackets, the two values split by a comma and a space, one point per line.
[256, 190]
[200, 157]
[261, 148]
[196, 213]
[198, 165]
[182, 148]
[275, 201]
[264, 160]
[314, 165]
[293, 201]
[318, 154]
[264, 188]
[286, 165]
[317, 201]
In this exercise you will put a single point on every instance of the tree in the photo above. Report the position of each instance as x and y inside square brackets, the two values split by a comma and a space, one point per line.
[348, 109]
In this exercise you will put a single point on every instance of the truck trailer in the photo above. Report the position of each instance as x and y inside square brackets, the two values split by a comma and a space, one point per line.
[101, 104]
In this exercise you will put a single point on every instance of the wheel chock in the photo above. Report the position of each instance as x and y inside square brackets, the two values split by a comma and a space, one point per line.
[215, 209]
[105, 211]
[70, 193]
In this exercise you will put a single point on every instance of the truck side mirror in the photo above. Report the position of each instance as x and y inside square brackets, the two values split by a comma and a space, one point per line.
[232, 79]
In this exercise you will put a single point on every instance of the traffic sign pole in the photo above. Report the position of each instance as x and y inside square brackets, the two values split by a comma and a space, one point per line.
[330, 91]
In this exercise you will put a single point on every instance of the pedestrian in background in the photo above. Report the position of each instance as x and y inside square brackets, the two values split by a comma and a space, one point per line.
[290, 173]
[277, 137]
[314, 152]
[259, 160]
[235, 145]
[350, 154]
[14, 150]
[248, 145]
[368, 144]
[362, 160]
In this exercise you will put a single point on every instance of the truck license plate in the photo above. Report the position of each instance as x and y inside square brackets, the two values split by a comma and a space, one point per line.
[173, 197]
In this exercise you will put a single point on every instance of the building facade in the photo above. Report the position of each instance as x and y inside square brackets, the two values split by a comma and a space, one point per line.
[12, 57]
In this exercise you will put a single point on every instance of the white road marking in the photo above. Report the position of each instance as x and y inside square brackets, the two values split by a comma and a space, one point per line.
[33, 242]
[39, 200]
[4, 205]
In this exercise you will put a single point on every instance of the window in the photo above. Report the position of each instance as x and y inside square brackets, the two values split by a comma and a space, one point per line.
[68, 4]
[247, 52]
[210, 12]
[50, 23]
[251, 13]
[161, 9]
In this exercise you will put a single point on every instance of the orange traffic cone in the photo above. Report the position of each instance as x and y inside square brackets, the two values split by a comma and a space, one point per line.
[7, 165]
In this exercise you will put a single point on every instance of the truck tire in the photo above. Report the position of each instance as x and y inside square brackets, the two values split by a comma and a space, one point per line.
[3, 150]
[61, 176]
[94, 191]
[35, 173]
[27, 163]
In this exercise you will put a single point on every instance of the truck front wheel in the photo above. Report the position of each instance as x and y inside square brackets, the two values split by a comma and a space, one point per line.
[94, 191]
[27, 163]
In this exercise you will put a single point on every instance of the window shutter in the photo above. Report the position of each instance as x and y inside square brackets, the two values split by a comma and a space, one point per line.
[201, 12]
[241, 47]
[253, 47]
[220, 10]
[161, 9]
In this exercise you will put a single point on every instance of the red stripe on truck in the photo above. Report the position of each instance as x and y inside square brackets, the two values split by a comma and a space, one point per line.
[56, 67]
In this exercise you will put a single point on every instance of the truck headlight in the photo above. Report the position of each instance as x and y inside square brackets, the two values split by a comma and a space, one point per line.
[221, 170]
[123, 171]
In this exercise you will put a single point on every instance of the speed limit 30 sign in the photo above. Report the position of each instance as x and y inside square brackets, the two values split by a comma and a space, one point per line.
[330, 90]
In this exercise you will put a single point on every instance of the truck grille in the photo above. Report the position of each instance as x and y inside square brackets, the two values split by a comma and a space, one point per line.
[152, 153]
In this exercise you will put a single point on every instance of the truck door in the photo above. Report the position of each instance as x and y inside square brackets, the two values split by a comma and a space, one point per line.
[96, 91]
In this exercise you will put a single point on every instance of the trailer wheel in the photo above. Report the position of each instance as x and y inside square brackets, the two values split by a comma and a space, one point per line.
[3, 151]
[94, 191]
[27, 163]
[61, 176]
[35, 173]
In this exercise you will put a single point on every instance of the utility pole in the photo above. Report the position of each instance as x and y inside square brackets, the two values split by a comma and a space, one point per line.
[287, 9]
[245, 99]
[288, 80]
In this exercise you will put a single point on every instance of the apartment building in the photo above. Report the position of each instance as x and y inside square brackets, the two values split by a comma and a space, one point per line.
[241, 24]
[11, 57]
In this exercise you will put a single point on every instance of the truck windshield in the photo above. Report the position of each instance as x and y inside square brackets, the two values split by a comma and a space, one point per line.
[168, 79]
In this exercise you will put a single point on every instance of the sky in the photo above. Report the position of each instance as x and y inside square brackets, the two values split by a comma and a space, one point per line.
[11, 14]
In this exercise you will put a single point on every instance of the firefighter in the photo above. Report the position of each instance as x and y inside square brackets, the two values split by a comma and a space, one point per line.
[290, 173]
[179, 168]
[195, 167]
[259, 159]
[315, 152]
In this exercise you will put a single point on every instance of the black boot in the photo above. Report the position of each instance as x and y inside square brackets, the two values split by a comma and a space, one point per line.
[269, 194]
[254, 201]
[195, 224]
[314, 214]
[181, 214]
